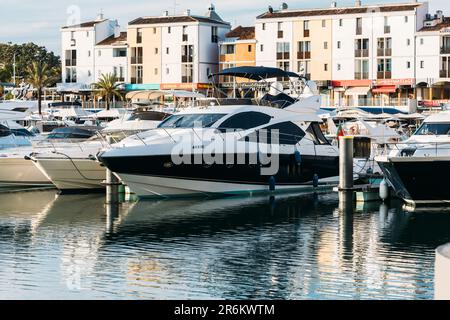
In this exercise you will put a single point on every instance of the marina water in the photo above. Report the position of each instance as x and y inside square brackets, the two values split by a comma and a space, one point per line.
[287, 247]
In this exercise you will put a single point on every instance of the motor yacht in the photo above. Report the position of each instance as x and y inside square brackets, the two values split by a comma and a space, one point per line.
[418, 168]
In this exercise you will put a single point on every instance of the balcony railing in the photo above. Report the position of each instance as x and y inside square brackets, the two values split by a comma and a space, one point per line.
[137, 80]
[283, 55]
[186, 59]
[280, 34]
[71, 80]
[360, 53]
[387, 29]
[306, 33]
[304, 55]
[445, 50]
[384, 75]
[136, 60]
[71, 62]
[186, 79]
[359, 31]
[384, 52]
[361, 75]
[444, 73]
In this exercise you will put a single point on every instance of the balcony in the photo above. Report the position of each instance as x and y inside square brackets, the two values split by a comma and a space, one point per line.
[185, 37]
[444, 73]
[387, 29]
[71, 62]
[358, 31]
[136, 80]
[283, 55]
[384, 52]
[304, 55]
[186, 59]
[361, 53]
[361, 75]
[306, 33]
[136, 60]
[186, 79]
[384, 75]
[280, 34]
[445, 50]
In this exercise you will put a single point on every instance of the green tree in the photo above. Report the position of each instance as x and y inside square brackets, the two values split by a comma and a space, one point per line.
[24, 55]
[40, 75]
[108, 87]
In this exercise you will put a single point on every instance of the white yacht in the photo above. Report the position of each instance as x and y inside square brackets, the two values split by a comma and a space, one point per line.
[418, 168]
[72, 168]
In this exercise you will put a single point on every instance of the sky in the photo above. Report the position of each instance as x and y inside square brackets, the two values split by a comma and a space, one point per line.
[40, 21]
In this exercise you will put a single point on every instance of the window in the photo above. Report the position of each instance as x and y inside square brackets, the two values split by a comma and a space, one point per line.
[89, 73]
[324, 23]
[283, 50]
[288, 133]
[99, 53]
[422, 64]
[208, 72]
[249, 48]
[325, 67]
[229, 49]
[191, 120]
[261, 48]
[72, 35]
[156, 50]
[306, 28]
[167, 50]
[339, 67]
[214, 35]
[433, 129]
[325, 45]
[406, 19]
[167, 71]
[340, 23]
[316, 135]
[338, 44]
[421, 41]
[187, 73]
[358, 26]
[408, 65]
[87, 34]
[408, 42]
[264, 26]
[89, 53]
[139, 36]
[169, 29]
[154, 30]
[245, 120]
[156, 71]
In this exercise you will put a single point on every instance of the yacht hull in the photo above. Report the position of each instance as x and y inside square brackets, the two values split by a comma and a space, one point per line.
[418, 180]
[18, 172]
[74, 175]
[154, 176]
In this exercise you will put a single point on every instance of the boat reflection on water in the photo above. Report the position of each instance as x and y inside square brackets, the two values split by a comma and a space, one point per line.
[283, 247]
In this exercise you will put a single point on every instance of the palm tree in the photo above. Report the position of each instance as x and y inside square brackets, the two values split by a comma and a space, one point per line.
[40, 75]
[108, 87]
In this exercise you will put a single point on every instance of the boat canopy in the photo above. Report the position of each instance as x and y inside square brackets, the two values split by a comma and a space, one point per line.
[256, 73]
[155, 94]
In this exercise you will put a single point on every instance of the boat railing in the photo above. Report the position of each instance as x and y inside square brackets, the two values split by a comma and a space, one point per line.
[415, 149]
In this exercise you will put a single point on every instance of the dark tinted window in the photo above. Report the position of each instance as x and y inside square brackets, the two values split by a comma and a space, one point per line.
[149, 115]
[191, 120]
[246, 120]
[4, 131]
[316, 134]
[288, 133]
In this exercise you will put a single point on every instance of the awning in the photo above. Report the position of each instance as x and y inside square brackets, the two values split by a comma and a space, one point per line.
[155, 94]
[385, 89]
[359, 91]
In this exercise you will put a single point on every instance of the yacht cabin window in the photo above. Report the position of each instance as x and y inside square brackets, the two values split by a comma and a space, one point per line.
[288, 134]
[191, 120]
[316, 134]
[245, 120]
[433, 129]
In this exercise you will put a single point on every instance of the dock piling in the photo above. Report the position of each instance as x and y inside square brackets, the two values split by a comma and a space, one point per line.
[345, 163]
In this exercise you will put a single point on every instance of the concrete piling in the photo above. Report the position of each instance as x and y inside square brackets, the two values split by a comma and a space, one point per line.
[345, 163]
[442, 273]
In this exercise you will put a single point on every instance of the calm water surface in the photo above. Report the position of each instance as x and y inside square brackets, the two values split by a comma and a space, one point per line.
[290, 247]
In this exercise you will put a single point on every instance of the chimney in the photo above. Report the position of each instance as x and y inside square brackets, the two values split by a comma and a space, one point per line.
[100, 17]
[165, 13]
[188, 12]
[117, 31]
[358, 3]
[440, 15]
[334, 4]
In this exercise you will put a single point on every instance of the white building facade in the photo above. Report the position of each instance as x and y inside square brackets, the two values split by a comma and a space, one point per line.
[80, 57]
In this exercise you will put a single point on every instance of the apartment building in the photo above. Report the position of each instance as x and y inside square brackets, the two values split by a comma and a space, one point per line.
[83, 59]
[433, 60]
[359, 55]
[174, 52]
[111, 56]
[238, 49]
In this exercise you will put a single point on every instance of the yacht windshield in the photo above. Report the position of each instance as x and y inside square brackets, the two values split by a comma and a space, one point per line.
[191, 120]
[433, 129]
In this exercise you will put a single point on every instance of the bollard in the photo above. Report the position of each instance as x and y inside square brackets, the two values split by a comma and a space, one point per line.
[345, 163]
[442, 273]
